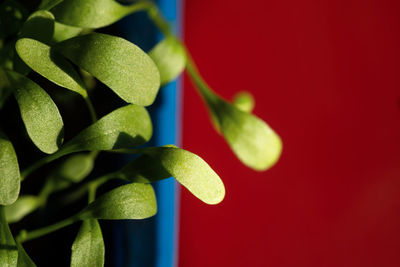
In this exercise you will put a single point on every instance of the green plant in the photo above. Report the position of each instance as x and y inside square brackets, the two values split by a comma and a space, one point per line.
[58, 41]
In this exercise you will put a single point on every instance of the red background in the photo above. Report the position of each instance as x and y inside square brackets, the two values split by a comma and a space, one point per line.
[326, 77]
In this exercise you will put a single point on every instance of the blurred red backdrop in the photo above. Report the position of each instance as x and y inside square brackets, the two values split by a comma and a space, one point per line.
[326, 77]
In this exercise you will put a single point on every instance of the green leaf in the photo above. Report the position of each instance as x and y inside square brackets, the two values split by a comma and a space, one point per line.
[125, 127]
[39, 26]
[170, 58]
[244, 101]
[9, 172]
[23, 259]
[12, 16]
[119, 64]
[48, 63]
[24, 205]
[250, 138]
[8, 247]
[48, 4]
[72, 170]
[92, 13]
[63, 32]
[188, 169]
[131, 201]
[76, 167]
[40, 115]
[88, 247]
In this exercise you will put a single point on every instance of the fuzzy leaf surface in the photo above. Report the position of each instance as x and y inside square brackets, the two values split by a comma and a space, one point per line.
[131, 201]
[91, 13]
[125, 127]
[9, 172]
[187, 168]
[40, 115]
[88, 247]
[51, 65]
[170, 59]
[119, 64]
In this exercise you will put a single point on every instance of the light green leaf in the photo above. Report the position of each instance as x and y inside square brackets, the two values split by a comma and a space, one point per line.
[244, 101]
[8, 247]
[93, 13]
[23, 259]
[170, 58]
[88, 247]
[188, 169]
[39, 26]
[250, 138]
[40, 115]
[23, 206]
[48, 4]
[63, 32]
[119, 64]
[9, 172]
[125, 127]
[42, 59]
[131, 201]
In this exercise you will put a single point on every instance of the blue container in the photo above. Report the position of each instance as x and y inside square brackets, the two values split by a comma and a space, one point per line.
[154, 241]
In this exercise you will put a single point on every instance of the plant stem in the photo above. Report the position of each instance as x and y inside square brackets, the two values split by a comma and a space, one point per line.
[38, 164]
[26, 236]
[91, 108]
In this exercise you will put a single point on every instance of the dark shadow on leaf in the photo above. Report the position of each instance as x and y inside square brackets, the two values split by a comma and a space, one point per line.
[60, 137]
[125, 140]
[145, 169]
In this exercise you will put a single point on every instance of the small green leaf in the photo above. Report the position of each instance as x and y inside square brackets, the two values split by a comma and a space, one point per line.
[88, 247]
[9, 172]
[23, 259]
[48, 63]
[244, 101]
[8, 247]
[250, 138]
[170, 59]
[63, 32]
[125, 127]
[92, 13]
[39, 26]
[48, 4]
[119, 64]
[12, 16]
[23, 206]
[188, 169]
[40, 115]
[7, 54]
[131, 201]
[76, 167]
[72, 170]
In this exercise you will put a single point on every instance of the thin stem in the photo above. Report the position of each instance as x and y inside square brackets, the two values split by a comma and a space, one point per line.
[26, 236]
[92, 111]
[38, 164]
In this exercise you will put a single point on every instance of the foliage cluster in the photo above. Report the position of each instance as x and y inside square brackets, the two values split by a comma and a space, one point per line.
[58, 41]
